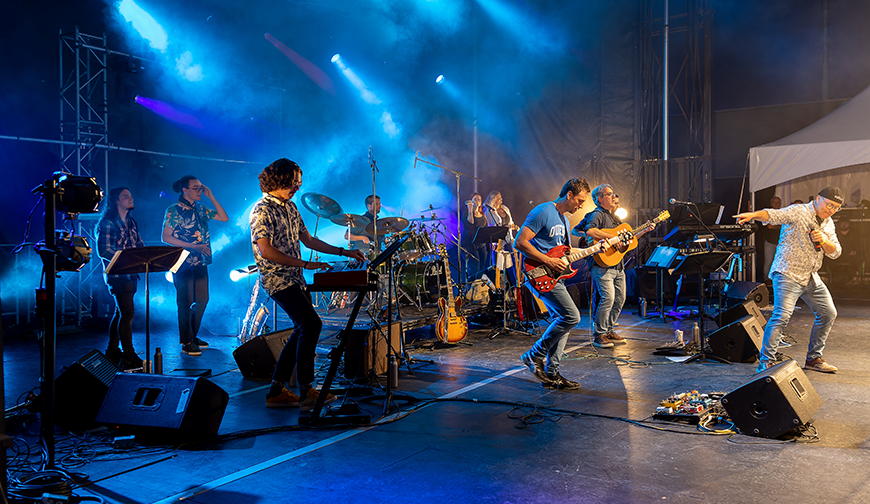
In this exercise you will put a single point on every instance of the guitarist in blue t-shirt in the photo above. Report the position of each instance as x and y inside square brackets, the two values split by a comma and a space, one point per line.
[544, 229]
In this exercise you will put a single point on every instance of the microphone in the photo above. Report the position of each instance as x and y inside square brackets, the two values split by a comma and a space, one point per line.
[817, 245]
[673, 201]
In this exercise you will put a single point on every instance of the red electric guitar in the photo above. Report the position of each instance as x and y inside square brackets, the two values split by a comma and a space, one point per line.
[543, 278]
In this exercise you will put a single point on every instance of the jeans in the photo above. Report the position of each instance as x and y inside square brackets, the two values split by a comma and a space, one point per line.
[785, 295]
[609, 296]
[121, 327]
[300, 348]
[191, 297]
[552, 343]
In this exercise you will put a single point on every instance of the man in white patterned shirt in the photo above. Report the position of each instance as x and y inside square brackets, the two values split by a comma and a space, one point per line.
[808, 234]
[276, 232]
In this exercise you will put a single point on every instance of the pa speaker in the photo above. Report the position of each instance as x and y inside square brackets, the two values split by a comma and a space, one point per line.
[366, 350]
[774, 402]
[193, 406]
[257, 357]
[80, 389]
[747, 308]
[748, 291]
[738, 341]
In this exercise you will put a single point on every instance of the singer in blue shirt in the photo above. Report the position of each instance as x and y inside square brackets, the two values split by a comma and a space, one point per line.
[808, 234]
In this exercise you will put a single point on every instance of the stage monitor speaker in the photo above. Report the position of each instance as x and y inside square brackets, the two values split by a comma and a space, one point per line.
[80, 389]
[747, 308]
[743, 291]
[367, 349]
[738, 341]
[258, 356]
[193, 406]
[646, 284]
[774, 402]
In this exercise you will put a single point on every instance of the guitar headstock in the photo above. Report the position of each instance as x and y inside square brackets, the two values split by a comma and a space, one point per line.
[662, 216]
[442, 250]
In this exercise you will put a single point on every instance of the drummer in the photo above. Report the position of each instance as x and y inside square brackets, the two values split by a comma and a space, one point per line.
[359, 238]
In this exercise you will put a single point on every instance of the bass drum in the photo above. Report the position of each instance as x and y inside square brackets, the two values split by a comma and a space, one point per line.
[426, 279]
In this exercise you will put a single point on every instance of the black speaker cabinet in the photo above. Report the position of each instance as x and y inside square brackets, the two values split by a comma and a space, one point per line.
[258, 356]
[773, 402]
[80, 389]
[747, 308]
[738, 341]
[367, 349]
[190, 405]
[751, 291]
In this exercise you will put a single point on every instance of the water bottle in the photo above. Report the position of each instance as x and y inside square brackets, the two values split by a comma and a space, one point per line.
[696, 334]
[158, 361]
[394, 372]
[643, 307]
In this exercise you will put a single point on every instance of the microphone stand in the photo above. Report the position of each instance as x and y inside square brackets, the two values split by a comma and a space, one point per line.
[457, 174]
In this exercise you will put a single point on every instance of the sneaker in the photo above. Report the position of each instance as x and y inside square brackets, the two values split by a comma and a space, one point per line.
[784, 344]
[285, 399]
[781, 357]
[602, 341]
[310, 400]
[536, 367]
[561, 383]
[131, 361]
[819, 364]
[114, 355]
[200, 343]
[764, 366]
[191, 349]
[615, 338]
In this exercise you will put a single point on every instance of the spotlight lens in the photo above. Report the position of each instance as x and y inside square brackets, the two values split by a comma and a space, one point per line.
[236, 275]
[440, 79]
[335, 58]
[168, 277]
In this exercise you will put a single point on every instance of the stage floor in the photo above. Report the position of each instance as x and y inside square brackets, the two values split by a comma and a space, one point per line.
[485, 429]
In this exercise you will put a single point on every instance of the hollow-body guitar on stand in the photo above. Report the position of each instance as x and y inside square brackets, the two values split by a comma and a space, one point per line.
[543, 278]
[611, 255]
[450, 327]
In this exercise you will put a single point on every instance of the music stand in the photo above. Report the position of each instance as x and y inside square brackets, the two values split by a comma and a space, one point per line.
[662, 258]
[155, 259]
[700, 263]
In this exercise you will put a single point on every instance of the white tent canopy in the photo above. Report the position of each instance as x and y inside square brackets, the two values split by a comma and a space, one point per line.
[841, 138]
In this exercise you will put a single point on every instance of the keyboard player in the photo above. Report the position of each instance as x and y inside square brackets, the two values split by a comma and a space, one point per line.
[276, 233]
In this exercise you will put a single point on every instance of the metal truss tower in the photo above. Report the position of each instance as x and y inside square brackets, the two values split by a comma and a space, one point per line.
[84, 135]
[675, 155]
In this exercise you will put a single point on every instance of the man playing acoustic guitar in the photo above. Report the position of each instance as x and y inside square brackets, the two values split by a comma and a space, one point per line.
[545, 229]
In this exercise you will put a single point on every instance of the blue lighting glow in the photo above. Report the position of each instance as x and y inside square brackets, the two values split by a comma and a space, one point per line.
[146, 25]
[439, 79]
[187, 69]
[531, 32]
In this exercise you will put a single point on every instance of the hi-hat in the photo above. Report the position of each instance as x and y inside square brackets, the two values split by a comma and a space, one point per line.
[388, 225]
[355, 221]
[320, 204]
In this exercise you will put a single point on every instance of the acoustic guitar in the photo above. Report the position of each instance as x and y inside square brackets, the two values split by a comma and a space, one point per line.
[543, 278]
[450, 327]
[612, 255]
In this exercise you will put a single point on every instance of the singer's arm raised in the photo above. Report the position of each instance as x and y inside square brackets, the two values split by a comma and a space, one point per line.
[759, 215]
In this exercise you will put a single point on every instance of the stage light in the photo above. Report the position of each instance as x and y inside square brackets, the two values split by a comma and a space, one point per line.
[77, 195]
[168, 277]
[145, 24]
[621, 213]
[238, 274]
[439, 79]
[335, 58]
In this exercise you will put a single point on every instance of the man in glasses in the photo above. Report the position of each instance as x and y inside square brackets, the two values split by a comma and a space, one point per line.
[808, 234]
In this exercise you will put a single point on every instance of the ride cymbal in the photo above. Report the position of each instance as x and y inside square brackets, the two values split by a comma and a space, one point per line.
[320, 204]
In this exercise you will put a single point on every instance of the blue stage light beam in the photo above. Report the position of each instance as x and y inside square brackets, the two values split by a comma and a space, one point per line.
[145, 24]
[529, 31]
[170, 112]
[360, 86]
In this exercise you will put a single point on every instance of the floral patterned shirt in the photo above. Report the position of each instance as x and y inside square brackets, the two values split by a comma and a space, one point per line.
[114, 235]
[796, 257]
[189, 223]
[279, 222]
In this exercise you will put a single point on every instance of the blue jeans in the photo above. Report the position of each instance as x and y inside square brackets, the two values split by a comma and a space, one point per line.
[551, 344]
[785, 294]
[608, 300]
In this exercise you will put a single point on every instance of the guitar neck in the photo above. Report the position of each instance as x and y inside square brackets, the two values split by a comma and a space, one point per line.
[594, 249]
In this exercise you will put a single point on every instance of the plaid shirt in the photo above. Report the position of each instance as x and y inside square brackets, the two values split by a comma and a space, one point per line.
[189, 224]
[796, 257]
[114, 235]
[281, 224]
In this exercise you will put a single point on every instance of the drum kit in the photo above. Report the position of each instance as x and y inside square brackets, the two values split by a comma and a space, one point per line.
[417, 266]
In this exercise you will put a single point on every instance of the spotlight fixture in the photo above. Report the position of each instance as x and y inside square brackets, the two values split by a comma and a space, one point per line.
[439, 79]
[622, 213]
[335, 58]
[238, 274]
[77, 195]
[71, 252]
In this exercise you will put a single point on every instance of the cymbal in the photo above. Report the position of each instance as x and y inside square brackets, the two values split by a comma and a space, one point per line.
[355, 221]
[431, 208]
[388, 225]
[320, 204]
[427, 218]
